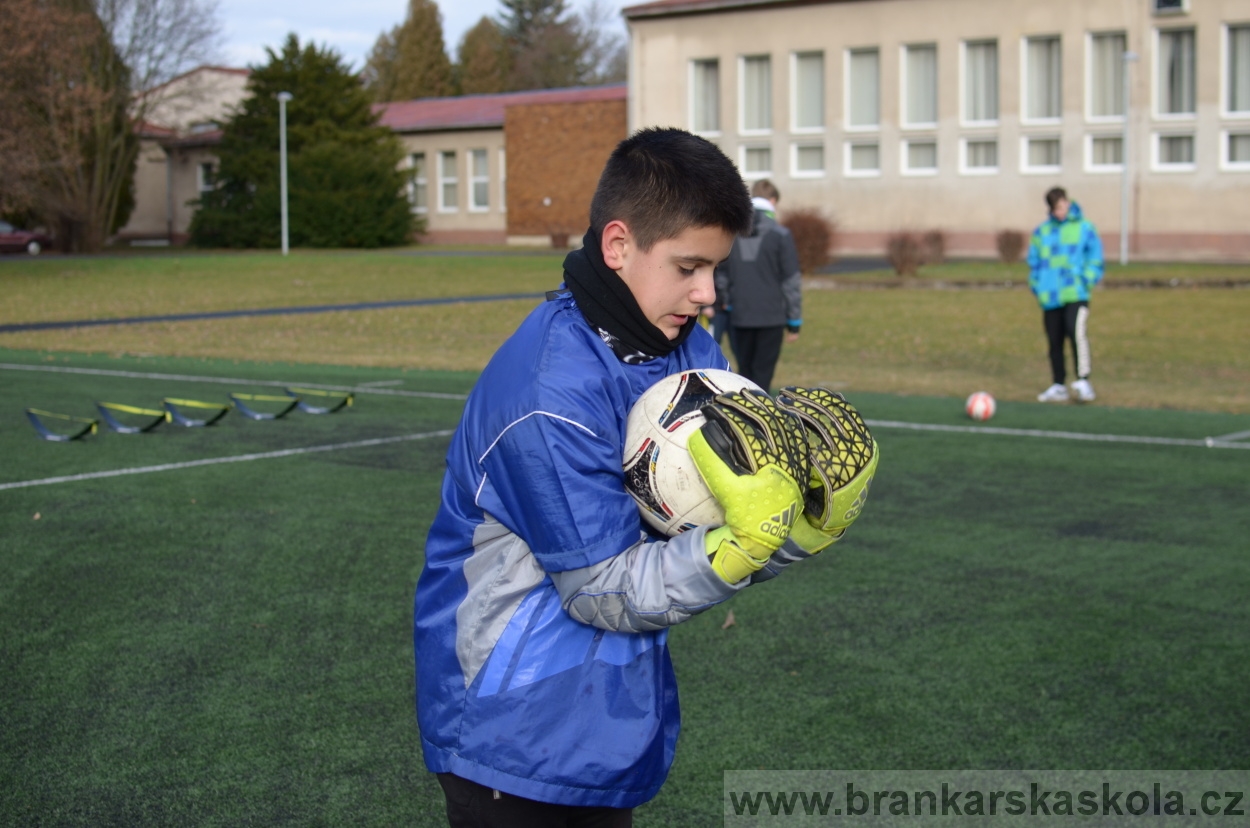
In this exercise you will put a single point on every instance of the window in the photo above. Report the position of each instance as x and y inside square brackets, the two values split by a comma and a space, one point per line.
[1041, 155]
[1238, 82]
[1176, 72]
[205, 177]
[479, 182]
[757, 94]
[705, 95]
[1043, 79]
[920, 85]
[1237, 150]
[920, 157]
[757, 162]
[863, 73]
[809, 91]
[980, 81]
[449, 183]
[418, 193]
[863, 158]
[1104, 153]
[503, 180]
[808, 161]
[1173, 152]
[980, 156]
[1106, 75]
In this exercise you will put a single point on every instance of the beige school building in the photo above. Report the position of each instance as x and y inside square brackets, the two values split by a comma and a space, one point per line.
[958, 115]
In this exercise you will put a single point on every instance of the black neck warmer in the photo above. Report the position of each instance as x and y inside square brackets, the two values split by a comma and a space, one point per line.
[609, 305]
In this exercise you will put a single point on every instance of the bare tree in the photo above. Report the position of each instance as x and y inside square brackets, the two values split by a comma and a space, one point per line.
[605, 49]
[69, 108]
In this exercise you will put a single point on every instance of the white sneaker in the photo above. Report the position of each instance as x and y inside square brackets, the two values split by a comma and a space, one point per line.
[1055, 393]
[1083, 390]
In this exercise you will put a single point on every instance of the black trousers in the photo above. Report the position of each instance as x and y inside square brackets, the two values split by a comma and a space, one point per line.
[1067, 323]
[470, 805]
[757, 351]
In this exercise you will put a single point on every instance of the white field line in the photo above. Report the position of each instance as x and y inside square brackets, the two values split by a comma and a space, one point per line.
[1236, 435]
[1207, 442]
[366, 388]
[212, 461]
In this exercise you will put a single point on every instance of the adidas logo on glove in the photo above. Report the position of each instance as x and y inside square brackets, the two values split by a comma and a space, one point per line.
[778, 524]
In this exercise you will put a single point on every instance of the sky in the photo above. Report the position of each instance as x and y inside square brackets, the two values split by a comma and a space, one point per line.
[349, 27]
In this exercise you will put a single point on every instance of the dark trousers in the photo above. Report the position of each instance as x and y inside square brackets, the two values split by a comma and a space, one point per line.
[470, 805]
[757, 351]
[1067, 323]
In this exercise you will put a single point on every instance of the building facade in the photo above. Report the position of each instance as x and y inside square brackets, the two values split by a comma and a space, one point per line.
[958, 115]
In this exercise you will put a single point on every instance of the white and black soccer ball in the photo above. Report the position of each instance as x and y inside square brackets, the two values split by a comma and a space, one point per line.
[659, 472]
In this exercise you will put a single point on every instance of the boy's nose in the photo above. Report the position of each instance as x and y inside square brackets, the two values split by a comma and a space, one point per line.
[704, 290]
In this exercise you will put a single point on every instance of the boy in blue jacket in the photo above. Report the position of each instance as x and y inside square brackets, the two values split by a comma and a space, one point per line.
[1065, 261]
[545, 694]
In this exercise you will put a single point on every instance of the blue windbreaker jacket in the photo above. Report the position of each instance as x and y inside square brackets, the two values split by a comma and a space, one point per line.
[513, 692]
[1065, 260]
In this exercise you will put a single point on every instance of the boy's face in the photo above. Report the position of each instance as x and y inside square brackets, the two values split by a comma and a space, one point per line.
[673, 279]
[1061, 209]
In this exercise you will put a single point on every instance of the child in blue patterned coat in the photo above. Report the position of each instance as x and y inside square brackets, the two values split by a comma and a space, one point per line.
[1065, 262]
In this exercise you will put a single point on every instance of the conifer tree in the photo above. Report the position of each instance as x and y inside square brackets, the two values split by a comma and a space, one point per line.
[411, 60]
[483, 66]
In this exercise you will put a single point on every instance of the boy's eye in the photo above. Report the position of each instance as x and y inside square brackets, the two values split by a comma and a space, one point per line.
[685, 271]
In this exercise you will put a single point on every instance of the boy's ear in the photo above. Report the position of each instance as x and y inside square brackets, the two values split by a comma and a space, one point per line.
[614, 241]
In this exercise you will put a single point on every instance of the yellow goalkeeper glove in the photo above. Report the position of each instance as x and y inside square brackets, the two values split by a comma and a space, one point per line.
[843, 459]
[752, 455]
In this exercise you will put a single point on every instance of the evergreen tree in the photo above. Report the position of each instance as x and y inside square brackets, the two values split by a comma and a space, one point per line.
[411, 60]
[345, 188]
[483, 66]
[546, 49]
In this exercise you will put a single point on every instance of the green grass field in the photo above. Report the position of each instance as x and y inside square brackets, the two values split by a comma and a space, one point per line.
[213, 626]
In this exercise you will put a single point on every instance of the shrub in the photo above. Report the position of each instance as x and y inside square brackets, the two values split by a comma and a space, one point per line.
[905, 253]
[933, 245]
[1010, 245]
[814, 235]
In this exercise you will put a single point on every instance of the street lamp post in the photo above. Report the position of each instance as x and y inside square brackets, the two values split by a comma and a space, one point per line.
[1125, 142]
[283, 97]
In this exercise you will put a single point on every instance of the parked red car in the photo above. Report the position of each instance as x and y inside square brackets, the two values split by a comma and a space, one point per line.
[13, 240]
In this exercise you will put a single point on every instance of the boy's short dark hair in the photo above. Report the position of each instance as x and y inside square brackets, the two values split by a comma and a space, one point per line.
[662, 181]
[1053, 195]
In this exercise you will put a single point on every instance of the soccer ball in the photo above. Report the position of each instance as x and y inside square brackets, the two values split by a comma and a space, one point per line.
[659, 473]
[980, 406]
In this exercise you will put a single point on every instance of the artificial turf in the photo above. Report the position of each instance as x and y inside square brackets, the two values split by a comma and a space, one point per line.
[229, 644]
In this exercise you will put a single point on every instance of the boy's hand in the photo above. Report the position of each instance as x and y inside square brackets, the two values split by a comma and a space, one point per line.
[752, 455]
[843, 458]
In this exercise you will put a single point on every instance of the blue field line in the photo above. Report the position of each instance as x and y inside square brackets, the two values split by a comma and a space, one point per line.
[365, 388]
[19, 327]
[1204, 442]
[235, 458]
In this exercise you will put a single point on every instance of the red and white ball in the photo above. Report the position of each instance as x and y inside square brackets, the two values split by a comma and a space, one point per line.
[980, 406]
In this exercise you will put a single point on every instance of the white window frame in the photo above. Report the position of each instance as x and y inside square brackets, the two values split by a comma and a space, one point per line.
[694, 102]
[755, 174]
[794, 93]
[795, 172]
[742, 96]
[904, 156]
[847, 147]
[846, 91]
[503, 180]
[419, 181]
[904, 58]
[471, 157]
[1226, 54]
[1226, 150]
[443, 181]
[963, 83]
[1156, 86]
[1045, 169]
[964, 169]
[1090, 166]
[1090, 117]
[203, 184]
[1025, 118]
[1158, 166]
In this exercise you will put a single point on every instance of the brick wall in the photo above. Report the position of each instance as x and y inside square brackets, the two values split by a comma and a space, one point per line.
[555, 155]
